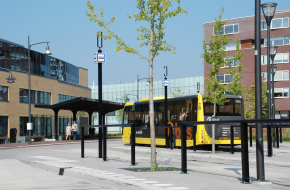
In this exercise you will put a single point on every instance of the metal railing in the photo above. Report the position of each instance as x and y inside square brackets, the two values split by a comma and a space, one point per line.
[244, 140]
[104, 139]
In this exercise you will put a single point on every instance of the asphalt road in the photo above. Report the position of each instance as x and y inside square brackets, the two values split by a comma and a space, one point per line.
[37, 167]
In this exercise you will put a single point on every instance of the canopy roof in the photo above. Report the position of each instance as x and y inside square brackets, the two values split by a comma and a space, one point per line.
[84, 104]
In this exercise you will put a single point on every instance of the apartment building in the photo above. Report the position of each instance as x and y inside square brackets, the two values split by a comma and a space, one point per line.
[244, 29]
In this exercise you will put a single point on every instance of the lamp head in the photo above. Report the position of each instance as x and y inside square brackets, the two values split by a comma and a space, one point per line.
[10, 79]
[47, 51]
[273, 51]
[273, 69]
[269, 11]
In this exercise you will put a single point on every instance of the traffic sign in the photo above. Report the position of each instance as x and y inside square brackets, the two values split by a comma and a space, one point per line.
[100, 58]
[165, 83]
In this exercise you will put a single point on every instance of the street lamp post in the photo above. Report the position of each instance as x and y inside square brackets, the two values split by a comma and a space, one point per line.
[258, 94]
[269, 12]
[273, 51]
[47, 52]
[138, 86]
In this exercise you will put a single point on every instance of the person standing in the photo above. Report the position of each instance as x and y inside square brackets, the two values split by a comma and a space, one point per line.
[75, 130]
[68, 131]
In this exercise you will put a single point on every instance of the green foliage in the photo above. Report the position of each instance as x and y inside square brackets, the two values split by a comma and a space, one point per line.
[177, 92]
[235, 87]
[120, 112]
[250, 102]
[114, 134]
[215, 54]
[153, 12]
[154, 167]
[81, 114]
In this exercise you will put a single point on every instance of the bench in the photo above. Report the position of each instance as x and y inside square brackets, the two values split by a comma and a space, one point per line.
[3, 140]
[38, 138]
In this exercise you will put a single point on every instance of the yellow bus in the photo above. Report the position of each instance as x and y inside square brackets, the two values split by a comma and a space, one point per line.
[185, 108]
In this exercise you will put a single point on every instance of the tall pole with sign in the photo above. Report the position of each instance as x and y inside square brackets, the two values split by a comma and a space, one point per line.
[165, 84]
[100, 60]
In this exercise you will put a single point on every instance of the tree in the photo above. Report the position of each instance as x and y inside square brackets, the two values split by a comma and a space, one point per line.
[154, 12]
[177, 92]
[235, 87]
[215, 54]
[250, 102]
[121, 111]
[81, 114]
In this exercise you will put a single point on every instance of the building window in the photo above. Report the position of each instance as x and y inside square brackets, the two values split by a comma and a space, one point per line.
[231, 46]
[231, 61]
[279, 76]
[224, 78]
[43, 98]
[280, 23]
[276, 23]
[37, 97]
[63, 98]
[3, 93]
[229, 29]
[3, 126]
[279, 58]
[281, 92]
[277, 41]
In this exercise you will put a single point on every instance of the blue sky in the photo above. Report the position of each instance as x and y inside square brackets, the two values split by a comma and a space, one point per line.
[73, 37]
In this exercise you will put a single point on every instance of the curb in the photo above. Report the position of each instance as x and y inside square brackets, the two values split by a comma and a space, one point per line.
[100, 179]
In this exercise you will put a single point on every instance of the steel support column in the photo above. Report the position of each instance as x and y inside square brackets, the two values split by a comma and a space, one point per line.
[55, 123]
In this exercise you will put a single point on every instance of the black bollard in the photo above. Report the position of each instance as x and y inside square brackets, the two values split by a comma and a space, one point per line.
[277, 137]
[183, 150]
[194, 137]
[280, 135]
[104, 143]
[133, 133]
[269, 141]
[82, 143]
[232, 140]
[251, 130]
[245, 153]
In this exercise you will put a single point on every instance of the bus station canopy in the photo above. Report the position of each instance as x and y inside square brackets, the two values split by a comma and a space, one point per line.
[84, 104]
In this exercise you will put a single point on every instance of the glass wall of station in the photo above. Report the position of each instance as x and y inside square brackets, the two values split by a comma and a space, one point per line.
[42, 125]
[117, 92]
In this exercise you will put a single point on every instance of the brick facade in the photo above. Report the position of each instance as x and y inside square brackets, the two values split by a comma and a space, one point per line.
[246, 36]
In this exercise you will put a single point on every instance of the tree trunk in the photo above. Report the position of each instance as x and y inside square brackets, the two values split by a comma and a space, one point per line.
[213, 129]
[151, 105]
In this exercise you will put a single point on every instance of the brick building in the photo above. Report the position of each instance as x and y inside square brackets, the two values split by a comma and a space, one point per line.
[244, 29]
[52, 81]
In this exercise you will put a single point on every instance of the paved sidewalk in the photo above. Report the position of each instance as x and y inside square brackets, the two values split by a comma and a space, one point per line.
[205, 170]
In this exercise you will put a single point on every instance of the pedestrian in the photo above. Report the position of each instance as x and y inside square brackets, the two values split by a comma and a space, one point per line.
[68, 131]
[75, 130]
